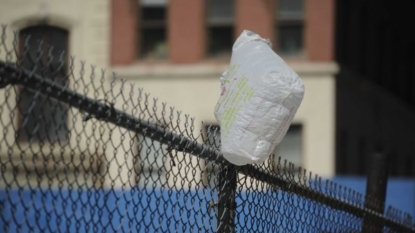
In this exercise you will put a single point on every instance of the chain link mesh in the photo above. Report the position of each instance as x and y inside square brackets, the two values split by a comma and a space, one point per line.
[82, 151]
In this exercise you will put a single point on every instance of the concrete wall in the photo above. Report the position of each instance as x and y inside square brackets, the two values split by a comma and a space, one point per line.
[188, 79]
[87, 22]
[194, 89]
[88, 26]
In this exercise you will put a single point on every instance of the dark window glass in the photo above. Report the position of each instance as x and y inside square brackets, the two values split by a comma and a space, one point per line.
[220, 11]
[291, 10]
[153, 39]
[291, 39]
[43, 119]
[290, 147]
[290, 27]
[220, 31]
[151, 161]
[220, 40]
[153, 13]
[211, 170]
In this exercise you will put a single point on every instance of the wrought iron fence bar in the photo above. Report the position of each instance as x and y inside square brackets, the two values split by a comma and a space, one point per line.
[226, 199]
[10, 74]
[14, 75]
[376, 187]
[320, 197]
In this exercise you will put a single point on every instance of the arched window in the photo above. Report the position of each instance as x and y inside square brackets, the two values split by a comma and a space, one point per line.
[43, 49]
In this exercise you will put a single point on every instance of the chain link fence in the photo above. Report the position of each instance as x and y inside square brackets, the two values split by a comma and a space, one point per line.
[82, 151]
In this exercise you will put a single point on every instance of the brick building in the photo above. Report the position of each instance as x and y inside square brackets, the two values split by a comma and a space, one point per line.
[185, 45]
[197, 31]
[176, 50]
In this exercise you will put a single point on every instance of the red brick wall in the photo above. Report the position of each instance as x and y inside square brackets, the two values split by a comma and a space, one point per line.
[124, 21]
[320, 30]
[256, 16]
[186, 31]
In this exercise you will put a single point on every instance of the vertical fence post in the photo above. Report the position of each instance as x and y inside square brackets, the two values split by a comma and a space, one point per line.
[376, 190]
[226, 199]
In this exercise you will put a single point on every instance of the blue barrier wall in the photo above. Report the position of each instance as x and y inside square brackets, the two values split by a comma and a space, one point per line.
[400, 193]
[104, 211]
[138, 210]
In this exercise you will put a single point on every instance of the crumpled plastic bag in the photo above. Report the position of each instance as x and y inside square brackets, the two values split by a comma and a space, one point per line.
[260, 95]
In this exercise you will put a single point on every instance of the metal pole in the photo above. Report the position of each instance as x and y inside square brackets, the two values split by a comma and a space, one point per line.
[376, 191]
[226, 199]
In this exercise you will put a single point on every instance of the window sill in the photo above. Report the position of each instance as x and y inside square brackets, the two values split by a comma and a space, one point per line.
[164, 69]
[211, 68]
[34, 164]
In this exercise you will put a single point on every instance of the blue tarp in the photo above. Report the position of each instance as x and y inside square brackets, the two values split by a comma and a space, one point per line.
[155, 210]
[400, 191]
[152, 211]
[105, 211]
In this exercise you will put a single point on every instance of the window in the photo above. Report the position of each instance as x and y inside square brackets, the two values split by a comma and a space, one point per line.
[211, 169]
[290, 27]
[290, 147]
[153, 24]
[220, 27]
[54, 169]
[42, 118]
[151, 164]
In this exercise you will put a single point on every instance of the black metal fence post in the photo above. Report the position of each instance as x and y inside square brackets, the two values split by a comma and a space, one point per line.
[376, 190]
[226, 199]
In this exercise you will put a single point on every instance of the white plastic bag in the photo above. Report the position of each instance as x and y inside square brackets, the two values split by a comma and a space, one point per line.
[259, 98]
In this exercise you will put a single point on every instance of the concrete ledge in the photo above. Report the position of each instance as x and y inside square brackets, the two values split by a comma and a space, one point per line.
[210, 70]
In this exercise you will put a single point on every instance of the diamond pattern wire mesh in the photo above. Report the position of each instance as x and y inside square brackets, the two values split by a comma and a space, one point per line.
[82, 151]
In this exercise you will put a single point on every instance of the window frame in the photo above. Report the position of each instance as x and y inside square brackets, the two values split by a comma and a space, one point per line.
[139, 170]
[20, 137]
[219, 23]
[151, 25]
[208, 168]
[278, 23]
[275, 156]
